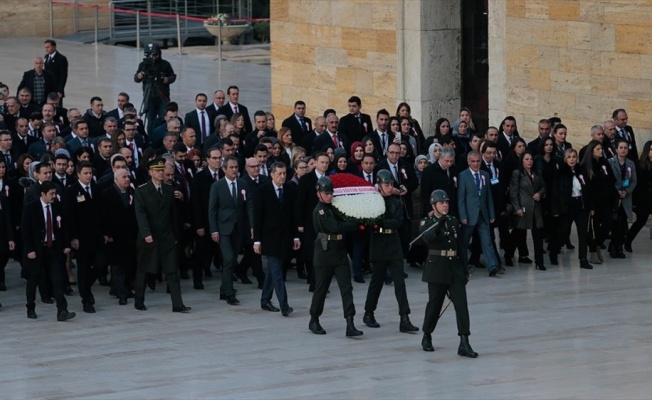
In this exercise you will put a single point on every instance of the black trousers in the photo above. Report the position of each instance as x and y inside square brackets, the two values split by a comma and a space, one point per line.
[253, 260]
[602, 223]
[88, 271]
[436, 296]
[378, 281]
[619, 228]
[49, 260]
[642, 214]
[4, 259]
[205, 251]
[323, 277]
[577, 214]
[173, 284]
[308, 255]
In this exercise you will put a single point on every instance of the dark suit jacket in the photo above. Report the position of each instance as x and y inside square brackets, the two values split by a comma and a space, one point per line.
[28, 82]
[115, 114]
[631, 139]
[434, 177]
[226, 214]
[499, 190]
[355, 131]
[75, 144]
[33, 227]
[101, 165]
[298, 131]
[70, 180]
[192, 121]
[20, 145]
[7, 214]
[503, 144]
[58, 66]
[227, 111]
[95, 125]
[200, 194]
[305, 204]
[37, 149]
[363, 175]
[406, 177]
[470, 203]
[118, 220]
[274, 224]
[308, 141]
[325, 139]
[83, 215]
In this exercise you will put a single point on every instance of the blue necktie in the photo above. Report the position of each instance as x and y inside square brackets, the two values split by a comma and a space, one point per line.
[477, 181]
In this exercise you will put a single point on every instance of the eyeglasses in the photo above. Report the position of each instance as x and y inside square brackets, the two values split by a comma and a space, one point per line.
[393, 152]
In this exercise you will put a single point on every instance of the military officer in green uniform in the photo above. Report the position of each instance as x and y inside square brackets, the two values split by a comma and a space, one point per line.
[158, 233]
[386, 253]
[444, 272]
[330, 258]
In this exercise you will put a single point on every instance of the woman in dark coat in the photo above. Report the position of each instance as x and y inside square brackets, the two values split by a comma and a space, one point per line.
[642, 195]
[526, 189]
[568, 203]
[601, 189]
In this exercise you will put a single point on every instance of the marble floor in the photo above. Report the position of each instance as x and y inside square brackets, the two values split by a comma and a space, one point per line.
[564, 333]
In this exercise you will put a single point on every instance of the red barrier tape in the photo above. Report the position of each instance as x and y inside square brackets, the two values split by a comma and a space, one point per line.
[153, 14]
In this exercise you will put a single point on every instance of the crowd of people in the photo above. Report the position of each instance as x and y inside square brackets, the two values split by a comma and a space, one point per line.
[125, 201]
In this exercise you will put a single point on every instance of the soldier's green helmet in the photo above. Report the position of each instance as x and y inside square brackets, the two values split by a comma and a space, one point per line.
[384, 176]
[325, 185]
[438, 195]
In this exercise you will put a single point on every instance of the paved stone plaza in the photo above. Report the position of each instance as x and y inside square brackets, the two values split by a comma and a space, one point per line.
[564, 333]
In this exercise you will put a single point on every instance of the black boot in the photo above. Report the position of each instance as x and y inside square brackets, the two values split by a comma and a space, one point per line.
[406, 325]
[315, 327]
[426, 342]
[351, 331]
[553, 258]
[584, 263]
[370, 321]
[621, 253]
[465, 348]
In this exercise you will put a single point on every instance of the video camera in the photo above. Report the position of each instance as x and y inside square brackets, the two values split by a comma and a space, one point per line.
[151, 75]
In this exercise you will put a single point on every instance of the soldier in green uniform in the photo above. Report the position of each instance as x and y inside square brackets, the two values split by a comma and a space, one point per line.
[158, 233]
[385, 252]
[444, 272]
[330, 258]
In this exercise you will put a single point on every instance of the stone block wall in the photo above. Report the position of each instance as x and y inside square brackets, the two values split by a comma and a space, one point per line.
[578, 59]
[31, 18]
[323, 52]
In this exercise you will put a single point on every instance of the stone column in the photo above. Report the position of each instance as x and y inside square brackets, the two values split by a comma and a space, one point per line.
[429, 74]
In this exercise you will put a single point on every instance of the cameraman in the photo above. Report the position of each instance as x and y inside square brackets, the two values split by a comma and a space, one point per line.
[157, 73]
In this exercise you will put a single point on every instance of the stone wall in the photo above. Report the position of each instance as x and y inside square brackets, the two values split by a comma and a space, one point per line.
[578, 60]
[323, 52]
[31, 18]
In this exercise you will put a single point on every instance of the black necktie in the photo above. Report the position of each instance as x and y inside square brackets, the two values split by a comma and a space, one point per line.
[280, 195]
[303, 125]
[233, 192]
[369, 178]
[8, 160]
[214, 176]
[88, 190]
[203, 126]
[160, 192]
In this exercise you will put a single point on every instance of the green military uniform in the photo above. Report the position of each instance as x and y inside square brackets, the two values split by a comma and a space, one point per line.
[156, 215]
[444, 272]
[330, 258]
[385, 252]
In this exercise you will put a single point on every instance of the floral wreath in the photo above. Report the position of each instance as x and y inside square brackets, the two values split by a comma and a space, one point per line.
[355, 199]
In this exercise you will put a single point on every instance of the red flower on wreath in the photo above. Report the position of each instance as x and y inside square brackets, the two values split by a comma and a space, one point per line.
[348, 180]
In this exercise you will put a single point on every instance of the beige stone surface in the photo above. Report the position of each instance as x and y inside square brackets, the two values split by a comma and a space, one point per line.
[578, 59]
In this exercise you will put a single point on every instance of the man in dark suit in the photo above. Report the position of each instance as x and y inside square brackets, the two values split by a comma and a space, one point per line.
[544, 129]
[332, 137]
[118, 112]
[121, 229]
[11, 113]
[26, 105]
[306, 202]
[82, 207]
[254, 181]
[405, 182]
[95, 116]
[218, 101]
[80, 139]
[507, 132]
[234, 107]
[230, 205]
[476, 210]
[355, 124]
[310, 137]
[21, 140]
[157, 236]
[206, 250]
[60, 176]
[200, 119]
[440, 175]
[37, 149]
[499, 195]
[626, 132]
[380, 137]
[44, 243]
[275, 234]
[102, 159]
[299, 124]
[39, 82]
[57, 64]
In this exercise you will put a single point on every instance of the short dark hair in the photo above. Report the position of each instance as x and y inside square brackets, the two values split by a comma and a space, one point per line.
[53, 96]
[201, 94]
[95, 98]
[39, 166]
[102, 140]
[299, 103]
[36, 116]
[117, 158]
[224, 141]
[617, 111]
[82, 165]
[260, 113]
[260, 147]
[356, 100]
[319, 154]
[47, 186]
[61, 156]
[382, 111]
[276, 165]
[365, 155]
[225, 161]
[76, 124]
[228, 91]
[123, 94]
[487, 145]
[51, 42]
[329, 111]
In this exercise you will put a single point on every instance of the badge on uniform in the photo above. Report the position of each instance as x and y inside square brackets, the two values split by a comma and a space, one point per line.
[80, 198]
[423, 222]
[321, 212]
